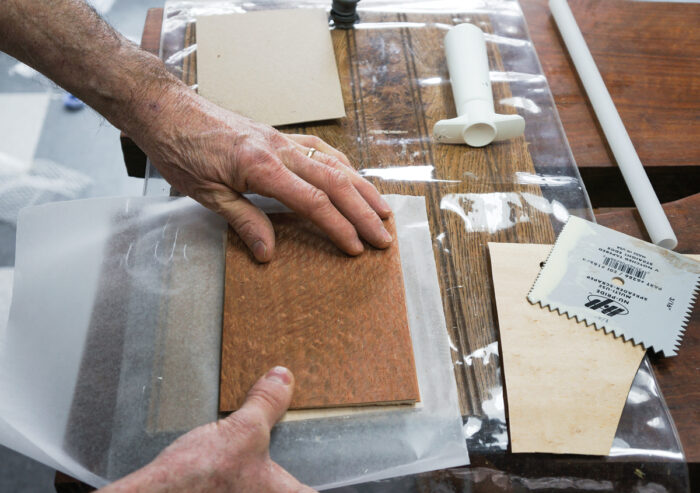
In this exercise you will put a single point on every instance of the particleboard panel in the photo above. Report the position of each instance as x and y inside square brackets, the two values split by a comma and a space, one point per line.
[338, 322]
[566, 384]
[274, 66]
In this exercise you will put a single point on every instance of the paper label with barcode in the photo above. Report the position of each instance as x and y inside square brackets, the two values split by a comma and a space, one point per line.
[618, 283]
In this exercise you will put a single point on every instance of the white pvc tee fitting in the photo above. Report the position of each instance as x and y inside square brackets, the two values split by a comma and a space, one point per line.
[477, 124]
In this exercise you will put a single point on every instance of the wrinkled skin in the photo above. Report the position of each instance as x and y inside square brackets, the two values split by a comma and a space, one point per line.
[206, 152]
[219, 155]
[230, 455]
[214, 156]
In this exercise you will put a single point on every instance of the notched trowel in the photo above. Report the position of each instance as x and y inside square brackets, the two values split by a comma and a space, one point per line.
[618, 283]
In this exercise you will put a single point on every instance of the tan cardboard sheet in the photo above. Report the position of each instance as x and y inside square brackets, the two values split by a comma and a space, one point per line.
[566, 383]
[274, 66]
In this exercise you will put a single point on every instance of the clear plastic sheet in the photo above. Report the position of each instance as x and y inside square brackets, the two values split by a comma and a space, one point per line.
[496, 203]
[125, 348]
[101, 288]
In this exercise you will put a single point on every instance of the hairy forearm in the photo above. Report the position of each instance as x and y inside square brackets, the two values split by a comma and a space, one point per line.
[204, 151]
[67, 41]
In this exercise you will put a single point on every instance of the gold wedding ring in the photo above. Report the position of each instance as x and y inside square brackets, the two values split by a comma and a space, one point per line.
[310, 152]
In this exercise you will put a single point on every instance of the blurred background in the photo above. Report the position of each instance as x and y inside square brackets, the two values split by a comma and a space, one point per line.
[52, 147]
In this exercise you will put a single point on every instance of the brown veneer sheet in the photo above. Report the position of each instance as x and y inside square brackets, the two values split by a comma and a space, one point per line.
[338, 322]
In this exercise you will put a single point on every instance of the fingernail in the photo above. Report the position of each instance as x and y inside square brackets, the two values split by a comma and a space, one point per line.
[385, 205]
[386, 236]
[279, 374]
[259, 250]
[358, 246]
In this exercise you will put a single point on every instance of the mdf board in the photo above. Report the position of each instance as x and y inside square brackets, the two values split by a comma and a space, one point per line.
[390, 114]
[338, 323]
[274, 66]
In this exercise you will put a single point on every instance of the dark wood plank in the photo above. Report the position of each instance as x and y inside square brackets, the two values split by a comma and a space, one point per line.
[134, 157]
[649, 56]
[150, 38]
[684, 216]
[679, 377]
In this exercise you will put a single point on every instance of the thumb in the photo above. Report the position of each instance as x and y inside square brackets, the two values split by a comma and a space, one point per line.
[270, 396]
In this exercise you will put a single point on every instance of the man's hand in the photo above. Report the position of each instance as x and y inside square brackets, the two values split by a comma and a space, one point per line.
[214, 155]
[230, 455]
[206, 152]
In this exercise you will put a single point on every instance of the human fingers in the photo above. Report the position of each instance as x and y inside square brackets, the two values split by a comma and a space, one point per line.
[279, 182]
[248, 221]
[334, 158]
[269, 398]
[343, 194]
[364, 187]
[315, 142]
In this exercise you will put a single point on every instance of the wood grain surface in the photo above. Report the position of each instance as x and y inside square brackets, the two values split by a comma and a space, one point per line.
[389, 121]
[649, 56]
[338, 322]
[566, 384]
[585, 138]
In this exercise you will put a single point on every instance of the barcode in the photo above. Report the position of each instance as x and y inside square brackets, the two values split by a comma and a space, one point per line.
[625, 268]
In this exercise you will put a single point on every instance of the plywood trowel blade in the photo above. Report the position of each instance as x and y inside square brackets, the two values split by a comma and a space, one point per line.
[618, 283]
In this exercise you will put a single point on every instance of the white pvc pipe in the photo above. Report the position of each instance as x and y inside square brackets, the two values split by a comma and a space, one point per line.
[468, 64]
[476, 124]
[640, 188]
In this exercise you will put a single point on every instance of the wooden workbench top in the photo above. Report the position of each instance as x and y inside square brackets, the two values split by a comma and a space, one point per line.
[660, 142]
[649, 56]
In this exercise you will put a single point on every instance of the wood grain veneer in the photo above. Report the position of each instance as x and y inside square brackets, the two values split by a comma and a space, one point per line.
[338, 322]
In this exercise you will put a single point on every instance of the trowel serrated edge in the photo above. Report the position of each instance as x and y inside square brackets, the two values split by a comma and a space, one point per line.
[617, 333]
[685, 319]
[581, 319]
[679, 333]
[539, 274]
